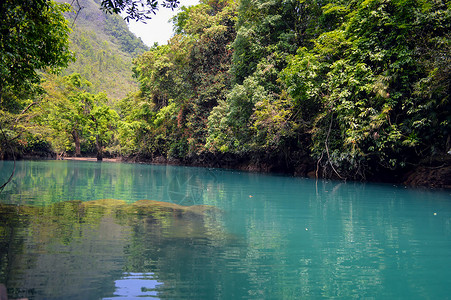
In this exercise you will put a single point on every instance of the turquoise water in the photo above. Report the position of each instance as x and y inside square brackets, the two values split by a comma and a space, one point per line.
[274, 237]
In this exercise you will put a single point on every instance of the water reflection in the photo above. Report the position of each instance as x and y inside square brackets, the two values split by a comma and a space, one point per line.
[56, 181]
[80, 250]
[135, 285]
[259, 237]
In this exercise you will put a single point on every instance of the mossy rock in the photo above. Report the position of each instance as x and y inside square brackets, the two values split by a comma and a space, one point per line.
[153, 217]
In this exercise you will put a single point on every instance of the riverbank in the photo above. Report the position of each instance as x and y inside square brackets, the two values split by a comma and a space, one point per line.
[93, 159]
[434, 172]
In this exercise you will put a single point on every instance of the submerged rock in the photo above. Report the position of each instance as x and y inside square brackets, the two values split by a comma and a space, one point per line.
[175, 221]
[103, 237]
[167, 206]
[153, 217]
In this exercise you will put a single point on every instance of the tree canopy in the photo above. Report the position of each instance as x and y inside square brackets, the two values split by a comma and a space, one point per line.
[34, 36]
[361, 87]
[137, 9]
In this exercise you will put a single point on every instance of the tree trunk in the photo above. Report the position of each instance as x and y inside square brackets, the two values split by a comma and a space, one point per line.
[99, 149]
[77, 143]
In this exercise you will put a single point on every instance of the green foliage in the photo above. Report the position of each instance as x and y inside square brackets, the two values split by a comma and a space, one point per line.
[76, 120]
[266, 27]
[272, 123]
[268, 32]
[135, 114]
[237, 113]
[162, 72]
[360, 86]
[181, 82]
[363, 91]
[33, 36]
[127, 41]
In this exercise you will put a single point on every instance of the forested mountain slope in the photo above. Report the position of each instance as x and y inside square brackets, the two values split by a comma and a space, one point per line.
[104, 49]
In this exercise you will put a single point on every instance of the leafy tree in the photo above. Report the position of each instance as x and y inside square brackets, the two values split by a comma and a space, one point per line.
[268, 32]
[101, 125]
[76, 117]
[33, 36]
[185, 79]
[271, 27]
[135, 114]
[213, 27]
[161, 72]
[235, 113]
[359, 87]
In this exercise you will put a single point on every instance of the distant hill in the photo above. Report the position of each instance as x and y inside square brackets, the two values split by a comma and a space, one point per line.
[104, 48]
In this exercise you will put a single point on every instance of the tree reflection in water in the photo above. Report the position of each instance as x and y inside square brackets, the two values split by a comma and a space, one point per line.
[108, 249]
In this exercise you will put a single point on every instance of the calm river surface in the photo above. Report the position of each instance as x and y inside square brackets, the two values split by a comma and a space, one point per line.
[260, 237]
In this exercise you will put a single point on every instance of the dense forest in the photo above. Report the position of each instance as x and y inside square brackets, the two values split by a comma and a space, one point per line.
[344, 89]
